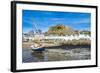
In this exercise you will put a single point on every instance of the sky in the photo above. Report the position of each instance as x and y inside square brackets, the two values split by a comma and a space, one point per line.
[45, 19]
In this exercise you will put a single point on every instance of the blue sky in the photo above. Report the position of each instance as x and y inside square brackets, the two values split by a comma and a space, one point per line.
[46, 19]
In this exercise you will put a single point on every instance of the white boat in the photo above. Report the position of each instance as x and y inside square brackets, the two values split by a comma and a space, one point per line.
[36, 47]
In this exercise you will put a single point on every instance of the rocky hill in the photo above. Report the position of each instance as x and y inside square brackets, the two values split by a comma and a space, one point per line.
[61, 30]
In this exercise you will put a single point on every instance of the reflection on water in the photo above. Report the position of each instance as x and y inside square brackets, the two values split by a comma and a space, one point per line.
[56, 54]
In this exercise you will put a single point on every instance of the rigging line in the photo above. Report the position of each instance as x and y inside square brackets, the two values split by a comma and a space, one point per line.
[35, 25]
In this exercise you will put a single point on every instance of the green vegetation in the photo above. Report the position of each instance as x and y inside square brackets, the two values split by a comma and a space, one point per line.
[86, 33]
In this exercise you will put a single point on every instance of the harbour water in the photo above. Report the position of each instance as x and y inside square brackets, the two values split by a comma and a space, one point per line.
[57, 54]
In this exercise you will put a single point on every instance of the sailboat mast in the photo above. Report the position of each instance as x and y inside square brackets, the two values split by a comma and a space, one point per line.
[34, 25]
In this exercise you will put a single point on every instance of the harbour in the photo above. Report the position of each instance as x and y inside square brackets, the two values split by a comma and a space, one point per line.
[56, 42]
[60, 53]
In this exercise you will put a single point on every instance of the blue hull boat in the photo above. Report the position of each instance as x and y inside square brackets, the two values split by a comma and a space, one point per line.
[38, 49]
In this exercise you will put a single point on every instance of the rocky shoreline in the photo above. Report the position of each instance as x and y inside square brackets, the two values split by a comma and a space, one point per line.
[58, 43]
[28, 44]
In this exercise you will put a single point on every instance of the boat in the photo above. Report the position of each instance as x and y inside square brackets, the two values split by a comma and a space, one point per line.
[37, 47]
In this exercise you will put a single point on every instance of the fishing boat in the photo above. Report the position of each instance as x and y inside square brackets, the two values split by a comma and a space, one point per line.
[37, 47]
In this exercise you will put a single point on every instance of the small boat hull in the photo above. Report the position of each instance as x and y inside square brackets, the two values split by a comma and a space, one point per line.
[38, 49]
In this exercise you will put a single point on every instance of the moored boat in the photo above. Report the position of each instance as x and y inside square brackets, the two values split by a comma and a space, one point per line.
[37, 47]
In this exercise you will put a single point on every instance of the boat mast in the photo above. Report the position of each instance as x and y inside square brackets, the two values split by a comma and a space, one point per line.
[35, 25]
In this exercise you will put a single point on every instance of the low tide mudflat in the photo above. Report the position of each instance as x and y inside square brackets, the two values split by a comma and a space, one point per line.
[60, 53]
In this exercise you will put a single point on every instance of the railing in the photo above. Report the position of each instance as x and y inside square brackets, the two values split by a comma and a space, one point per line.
[67, 37]
[61, 37]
